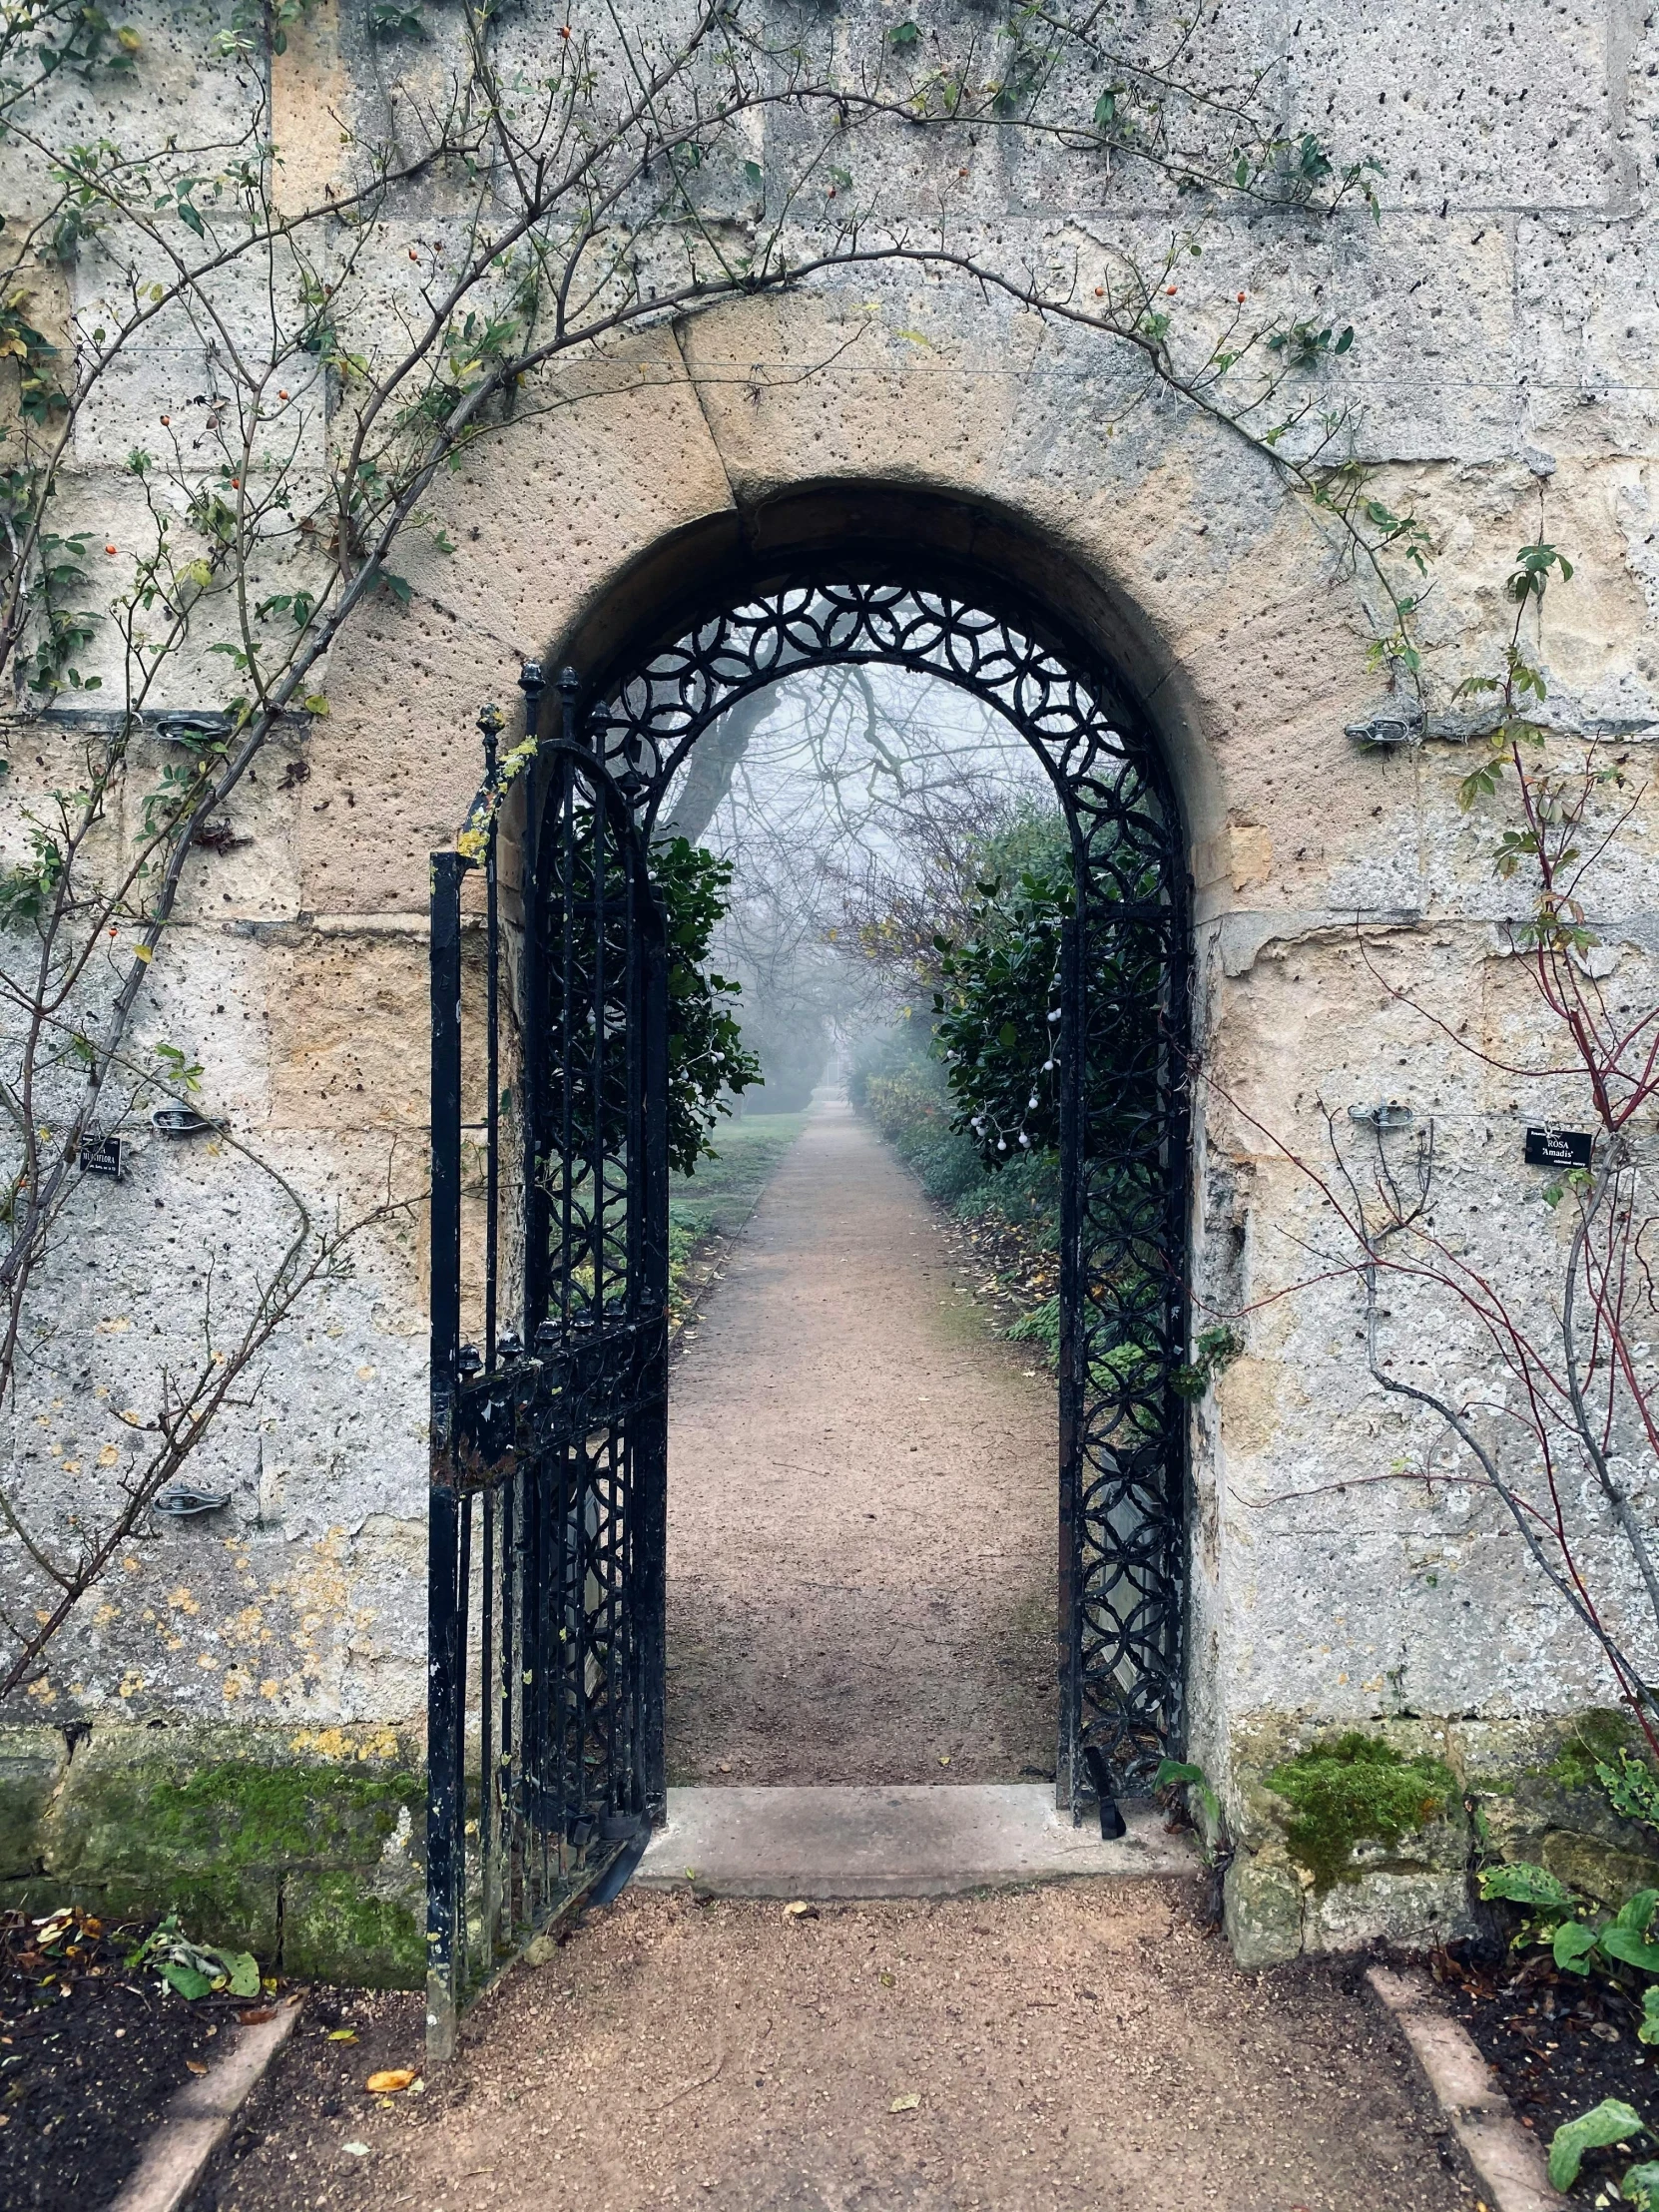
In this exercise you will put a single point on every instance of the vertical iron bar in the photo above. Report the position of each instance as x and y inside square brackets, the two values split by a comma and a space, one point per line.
[489, 724]
[489, 1868]
[443, 1711]
[1073, 1353]
[531, 1017]
[463, 1586]
[651, 1422]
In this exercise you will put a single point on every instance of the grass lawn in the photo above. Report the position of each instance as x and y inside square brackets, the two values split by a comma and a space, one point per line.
[721, 1196]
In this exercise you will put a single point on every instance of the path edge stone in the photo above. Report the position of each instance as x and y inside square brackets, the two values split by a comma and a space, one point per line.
[201, 2116]
[1508, 2162]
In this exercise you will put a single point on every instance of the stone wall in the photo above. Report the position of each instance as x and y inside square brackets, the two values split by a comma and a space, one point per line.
[1502, 372]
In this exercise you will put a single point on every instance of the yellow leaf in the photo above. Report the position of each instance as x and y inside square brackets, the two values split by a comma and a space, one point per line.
[144, 952]
[389, 2080]
[908, 2102]
[317, 703]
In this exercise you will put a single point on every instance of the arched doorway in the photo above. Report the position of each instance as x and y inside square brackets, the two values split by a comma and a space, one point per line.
[550, 1460]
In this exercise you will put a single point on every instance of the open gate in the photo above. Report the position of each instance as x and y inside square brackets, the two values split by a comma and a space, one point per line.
[549, 1422]
[549, 1239]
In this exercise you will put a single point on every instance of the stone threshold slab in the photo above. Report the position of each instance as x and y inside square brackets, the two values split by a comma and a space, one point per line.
[900, 1841]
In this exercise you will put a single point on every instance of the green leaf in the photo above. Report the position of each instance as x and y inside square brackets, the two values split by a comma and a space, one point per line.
[185, 1980]
[752, 171]
[243, 1970]
[1648, 2031]
[1636, 1911]
[1640, 2186]
[903, 36]
[1630, 1949]
[1526, 1883]
[1575, 1946]
[1609, 2122]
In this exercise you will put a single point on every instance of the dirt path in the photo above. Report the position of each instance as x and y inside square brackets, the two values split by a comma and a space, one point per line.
[862, 1504]
[862, 1500]
[1080, 2049]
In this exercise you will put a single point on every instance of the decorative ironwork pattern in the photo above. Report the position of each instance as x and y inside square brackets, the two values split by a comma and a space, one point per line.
[549, 1446]
[1124, 1148]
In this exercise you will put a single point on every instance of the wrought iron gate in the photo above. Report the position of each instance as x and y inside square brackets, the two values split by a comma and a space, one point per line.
[549, 1458]
[548, 1443]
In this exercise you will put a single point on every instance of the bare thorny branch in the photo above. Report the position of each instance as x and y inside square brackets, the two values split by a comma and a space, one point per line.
[593, 195]
[1566, 1435]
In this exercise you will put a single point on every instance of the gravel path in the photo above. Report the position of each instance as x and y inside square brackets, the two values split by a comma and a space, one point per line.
[1079, 2048]
[861, 1499]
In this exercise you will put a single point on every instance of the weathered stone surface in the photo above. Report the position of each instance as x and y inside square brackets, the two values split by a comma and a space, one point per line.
[31, 1762]
[1262, 1907]
[1586, 1864]
[143, 1802]
[366, 1930]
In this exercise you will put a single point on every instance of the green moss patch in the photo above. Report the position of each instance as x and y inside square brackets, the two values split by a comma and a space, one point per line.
[172, 1806]
[1352, 1791]
[337, 1927]
[1599, 1735]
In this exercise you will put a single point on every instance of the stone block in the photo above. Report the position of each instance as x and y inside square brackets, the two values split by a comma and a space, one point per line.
[241, 1912]
[1586, 1864]
[155, 1805]
[31, 1760]
[1261, 1912]
[1390, 1904]
[342, 1927]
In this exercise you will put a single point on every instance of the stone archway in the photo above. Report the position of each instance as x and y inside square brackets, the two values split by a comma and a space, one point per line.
[568, 1420]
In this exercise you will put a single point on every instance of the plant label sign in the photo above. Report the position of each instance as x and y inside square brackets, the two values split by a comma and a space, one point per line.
[1559, 1148]
[100, 1156]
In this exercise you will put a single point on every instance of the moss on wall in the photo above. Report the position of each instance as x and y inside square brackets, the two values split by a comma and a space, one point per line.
[1352, 1790]
[312, 1858]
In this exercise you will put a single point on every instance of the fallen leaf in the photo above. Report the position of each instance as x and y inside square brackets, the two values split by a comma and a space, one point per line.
[196, 2067]
[336, 2035]
[355, 2150]
[256, 2016]
[908, 2102]
[800, 1910]
[389, 2080]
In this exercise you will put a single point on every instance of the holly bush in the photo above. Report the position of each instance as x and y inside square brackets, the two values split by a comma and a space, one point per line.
[998, 1011]
[706, 1062]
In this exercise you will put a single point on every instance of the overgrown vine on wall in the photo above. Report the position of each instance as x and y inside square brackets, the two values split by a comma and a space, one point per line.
[167, 625]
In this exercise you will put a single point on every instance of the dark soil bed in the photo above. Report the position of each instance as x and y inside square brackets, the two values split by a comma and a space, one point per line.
[1560, 2043]
[288, 2146]
[91, 2054]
